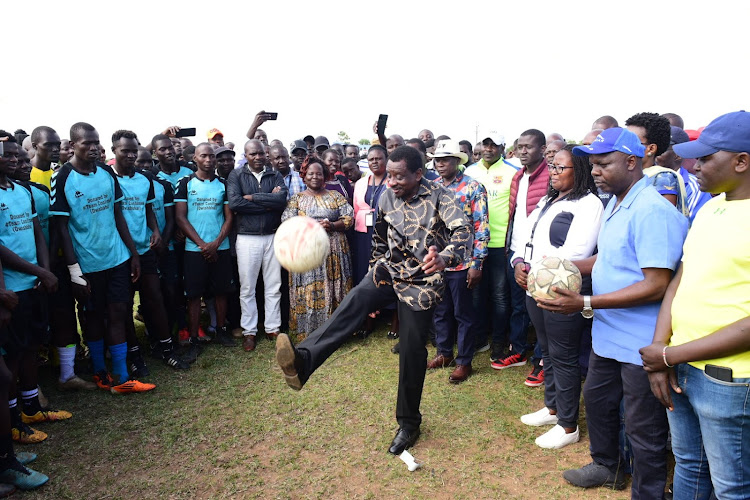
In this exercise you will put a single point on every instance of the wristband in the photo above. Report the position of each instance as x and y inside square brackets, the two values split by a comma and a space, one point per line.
[76, 275]
[664, 356]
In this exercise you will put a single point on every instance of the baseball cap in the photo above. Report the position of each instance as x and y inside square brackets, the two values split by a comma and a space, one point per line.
[223, 149]
[493, 135]
[298, 144]
[729, 132]
[613, 139]
[213, 133]
[678, 136]
[321, 141]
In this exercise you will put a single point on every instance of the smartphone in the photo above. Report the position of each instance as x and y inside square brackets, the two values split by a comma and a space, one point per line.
[382, 119]
[719, 373]
[185, 132]
[272, 116]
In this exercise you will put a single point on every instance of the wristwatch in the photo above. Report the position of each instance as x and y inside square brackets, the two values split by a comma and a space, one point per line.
[587, 312]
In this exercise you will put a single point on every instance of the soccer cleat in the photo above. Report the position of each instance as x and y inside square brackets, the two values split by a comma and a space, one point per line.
[137, 365]
[25, 457]
[23, 480]
[508, 361]
[131, 386]
[22, 433]
[103, 380]
[45, 416]
[174, 361]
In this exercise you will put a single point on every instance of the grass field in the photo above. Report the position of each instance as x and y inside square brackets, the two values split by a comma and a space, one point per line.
[230, 428]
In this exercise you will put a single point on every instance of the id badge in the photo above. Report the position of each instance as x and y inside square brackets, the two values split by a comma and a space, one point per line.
[528, 252]
[369, 219]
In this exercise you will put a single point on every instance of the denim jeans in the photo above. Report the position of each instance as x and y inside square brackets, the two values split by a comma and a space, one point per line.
[719, 412]
[518, 332]
[455, 318]
[492, 299]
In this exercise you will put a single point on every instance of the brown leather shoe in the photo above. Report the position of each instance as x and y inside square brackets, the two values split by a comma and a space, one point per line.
[249, 343]
[439, 361]
[460, 373]
[272, 335]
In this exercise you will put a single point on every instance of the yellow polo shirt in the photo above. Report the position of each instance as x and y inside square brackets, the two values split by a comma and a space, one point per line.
[496, 181]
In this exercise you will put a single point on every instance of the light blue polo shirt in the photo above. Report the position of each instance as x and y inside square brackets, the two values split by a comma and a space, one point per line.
[174, 178]
[41, 203]
[17, 233]
[645, 231]
[88, 201]
[205, 208]
[137, 192]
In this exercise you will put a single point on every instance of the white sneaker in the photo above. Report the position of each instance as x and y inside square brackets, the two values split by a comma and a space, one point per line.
[556, 438]
[541, 417]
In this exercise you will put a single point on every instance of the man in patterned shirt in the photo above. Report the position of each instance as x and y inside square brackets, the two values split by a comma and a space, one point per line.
[454, 316]
[419, 231]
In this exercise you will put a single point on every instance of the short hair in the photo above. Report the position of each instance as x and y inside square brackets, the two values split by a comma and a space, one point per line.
[347, 161]
[159, 137]
[538, 136]
[123, 134]
[19, 135]
[190, 150]
[329, 151]
[311, 160]
[36, 134]
[607, 120]
[429, 144]
[278, 147]
[583, 182]
[8, 135]
[407, 153]
[467, 144]
[78, 129]
[442, 138]
[419, 143]
[675, 119]
[658, 129]
[351, 146]
[378, 147]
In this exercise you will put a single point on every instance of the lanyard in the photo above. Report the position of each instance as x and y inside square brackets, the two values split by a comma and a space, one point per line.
[530, 246]
[375, 191]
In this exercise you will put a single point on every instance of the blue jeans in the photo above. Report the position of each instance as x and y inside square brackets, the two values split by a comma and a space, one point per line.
[720, 411]
[491, 299]
[518, 334]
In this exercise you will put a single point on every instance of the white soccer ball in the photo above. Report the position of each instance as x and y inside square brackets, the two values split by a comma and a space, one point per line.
[301, 244]
[553, 271]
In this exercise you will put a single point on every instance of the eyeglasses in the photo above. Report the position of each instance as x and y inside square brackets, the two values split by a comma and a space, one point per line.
[556, 169]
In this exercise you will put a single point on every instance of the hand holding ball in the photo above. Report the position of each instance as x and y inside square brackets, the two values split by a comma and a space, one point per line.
[553, 272]
[301, 244]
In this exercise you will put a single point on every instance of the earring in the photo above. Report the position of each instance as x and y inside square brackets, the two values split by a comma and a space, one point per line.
[649, 154]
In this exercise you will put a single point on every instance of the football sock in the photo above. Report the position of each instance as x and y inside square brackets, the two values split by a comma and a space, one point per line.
[96, 351]
[67, 357]
[119, 366]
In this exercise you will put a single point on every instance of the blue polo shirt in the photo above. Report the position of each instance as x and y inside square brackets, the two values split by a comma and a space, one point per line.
[137, 192]
[175, 178]
[644, 231]
[17, 215]
[205, 208]
[41, 204]
[88, 201]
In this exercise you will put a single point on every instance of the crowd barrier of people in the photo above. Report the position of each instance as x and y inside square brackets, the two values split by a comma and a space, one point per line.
[431, 235]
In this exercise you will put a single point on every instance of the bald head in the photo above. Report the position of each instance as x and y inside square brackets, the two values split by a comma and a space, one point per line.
[591, 136]
[393, 142]
[425, 135]
[605, 122]
[554, 136]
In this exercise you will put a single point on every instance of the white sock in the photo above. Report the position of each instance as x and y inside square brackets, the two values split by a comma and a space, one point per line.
[67, 357]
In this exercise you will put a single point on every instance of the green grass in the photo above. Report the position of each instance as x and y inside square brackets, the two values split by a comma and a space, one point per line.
[230, 428]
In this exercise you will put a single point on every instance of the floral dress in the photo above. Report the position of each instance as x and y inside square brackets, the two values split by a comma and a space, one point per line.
[314, 295]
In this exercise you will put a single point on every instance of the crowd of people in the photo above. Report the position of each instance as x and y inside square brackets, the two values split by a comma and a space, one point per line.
[433, 236]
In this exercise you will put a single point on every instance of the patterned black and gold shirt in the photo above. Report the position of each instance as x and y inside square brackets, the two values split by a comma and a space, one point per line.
[404, 232]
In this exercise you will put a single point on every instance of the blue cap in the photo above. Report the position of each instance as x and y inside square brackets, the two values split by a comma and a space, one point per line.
[613, 139]
[729, 132]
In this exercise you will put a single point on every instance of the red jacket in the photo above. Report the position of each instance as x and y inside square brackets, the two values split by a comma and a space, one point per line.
[538, 184]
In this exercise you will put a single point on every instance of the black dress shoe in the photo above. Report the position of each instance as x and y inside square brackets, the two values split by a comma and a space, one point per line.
[404, 439]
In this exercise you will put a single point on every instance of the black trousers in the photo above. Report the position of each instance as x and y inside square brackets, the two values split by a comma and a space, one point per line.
[608, 382]
[414, 325]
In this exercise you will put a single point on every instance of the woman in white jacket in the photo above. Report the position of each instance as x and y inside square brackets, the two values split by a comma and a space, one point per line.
[565, 224]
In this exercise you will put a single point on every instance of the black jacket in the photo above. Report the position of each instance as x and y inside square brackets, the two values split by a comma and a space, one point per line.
[262, 215]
